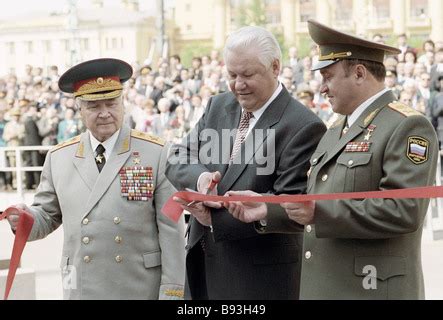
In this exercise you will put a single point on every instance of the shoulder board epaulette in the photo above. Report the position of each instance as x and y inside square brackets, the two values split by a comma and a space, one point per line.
[147, 137]
[69, 142]
[338, 122]
[403, 109]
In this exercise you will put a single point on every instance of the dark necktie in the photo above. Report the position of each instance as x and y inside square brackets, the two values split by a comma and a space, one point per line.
[241, 133]
[100, 159]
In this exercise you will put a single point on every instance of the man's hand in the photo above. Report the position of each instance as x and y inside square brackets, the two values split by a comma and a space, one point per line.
[204, 182]
[300, 212]
[201, 212]
[246, 211]
[13, 218]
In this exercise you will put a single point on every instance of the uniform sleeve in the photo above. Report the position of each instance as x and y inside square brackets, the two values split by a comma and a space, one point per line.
[386, 218]
[46, 208]
[171, 239]
[292, 177]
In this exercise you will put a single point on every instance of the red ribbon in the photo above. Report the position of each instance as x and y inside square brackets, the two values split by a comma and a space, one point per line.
[173, 210]
[24, 228]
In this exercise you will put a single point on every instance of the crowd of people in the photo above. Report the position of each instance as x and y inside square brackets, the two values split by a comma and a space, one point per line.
[168, 98]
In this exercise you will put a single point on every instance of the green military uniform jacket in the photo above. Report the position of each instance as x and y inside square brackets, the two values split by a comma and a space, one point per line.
[367, 248]
[114, 248]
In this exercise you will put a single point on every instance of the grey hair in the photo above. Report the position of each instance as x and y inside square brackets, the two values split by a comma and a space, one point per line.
[264, 41]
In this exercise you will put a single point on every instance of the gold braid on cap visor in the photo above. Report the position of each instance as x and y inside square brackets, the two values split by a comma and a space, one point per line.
[98, 85]
[333, 55]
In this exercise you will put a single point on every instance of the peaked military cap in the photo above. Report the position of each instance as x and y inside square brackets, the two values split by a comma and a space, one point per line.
[335, 46]
[96, 79]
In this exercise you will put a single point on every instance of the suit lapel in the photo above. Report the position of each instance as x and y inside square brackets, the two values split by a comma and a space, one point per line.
[230, 121]
[85, 163]
[119, 156]
[361, 124]
[270, 117]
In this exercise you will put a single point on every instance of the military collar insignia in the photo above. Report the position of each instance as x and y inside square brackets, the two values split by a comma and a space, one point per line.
[370, 117]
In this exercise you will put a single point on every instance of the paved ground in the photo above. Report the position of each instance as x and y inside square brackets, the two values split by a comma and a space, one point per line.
[48, 284]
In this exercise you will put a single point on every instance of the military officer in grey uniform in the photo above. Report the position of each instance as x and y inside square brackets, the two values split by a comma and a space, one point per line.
[107, 187]
[359, 248]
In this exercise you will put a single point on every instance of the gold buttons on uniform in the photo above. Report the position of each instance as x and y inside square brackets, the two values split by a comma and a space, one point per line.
[324, 178]
[87, 259]
[308, 255]
[85, 240]
[118, 259]
[85, 221]
[117, 220]
[308, 228]
[350, 163]
[118, 239]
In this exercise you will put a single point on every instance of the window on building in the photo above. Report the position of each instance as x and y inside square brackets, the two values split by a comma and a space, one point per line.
[29, 47]
[343, 10]
[11, 47]
[189, 27]
[84, 43]
[47, 46]
[114, 43]
[381, 10]
[307, 10]
[273, 13]
[419, 9]
[65, 45]
[187, 7]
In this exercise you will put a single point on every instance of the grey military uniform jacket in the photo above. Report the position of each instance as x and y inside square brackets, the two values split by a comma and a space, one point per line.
[113, 248]
[391, 146]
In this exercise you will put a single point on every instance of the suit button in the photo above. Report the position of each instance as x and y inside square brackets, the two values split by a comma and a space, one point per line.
[85, 221]
[308, 228]
[118, 259]
[187, 247]
[308, 255]
[87, 259]
[117, 220]
[350, 163]
[324, 178]
[85, 240]
[118, 239]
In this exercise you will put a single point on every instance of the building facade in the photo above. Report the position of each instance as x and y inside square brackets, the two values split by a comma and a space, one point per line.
[66, 38]
[212, 20]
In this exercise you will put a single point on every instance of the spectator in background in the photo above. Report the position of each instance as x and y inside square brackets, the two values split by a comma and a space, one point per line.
[437, 70]
[68, 128]
[435, 108]
[2, 154]
[163, 121]
[13, 135]
[31, 138]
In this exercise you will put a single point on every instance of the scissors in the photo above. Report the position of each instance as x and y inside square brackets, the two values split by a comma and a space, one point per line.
[211, 187]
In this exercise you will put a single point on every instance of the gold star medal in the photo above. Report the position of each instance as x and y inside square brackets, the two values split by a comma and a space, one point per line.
[370, 128]
[99, 158]
[136, 158]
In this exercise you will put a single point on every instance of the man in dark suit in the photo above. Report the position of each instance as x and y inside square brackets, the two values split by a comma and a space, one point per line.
[276, 135]
[32, 138]
[360, 248]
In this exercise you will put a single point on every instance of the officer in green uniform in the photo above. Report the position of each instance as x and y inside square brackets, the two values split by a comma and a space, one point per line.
[359, 248]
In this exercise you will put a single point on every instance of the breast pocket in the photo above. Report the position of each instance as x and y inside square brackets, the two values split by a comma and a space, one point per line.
[354, 171]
